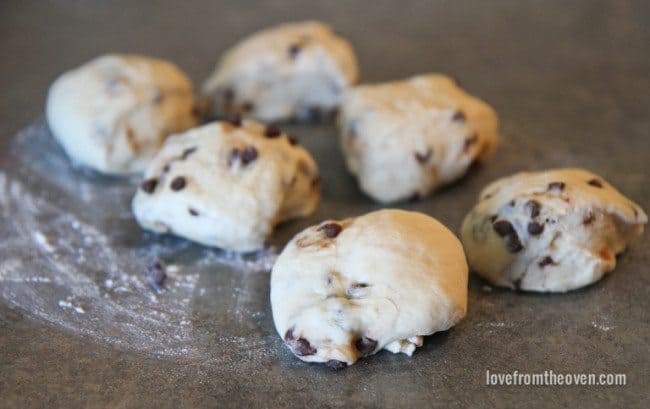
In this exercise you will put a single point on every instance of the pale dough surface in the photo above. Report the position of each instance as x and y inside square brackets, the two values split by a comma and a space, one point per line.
[227, 185]
[290, 71]
[403, 139]
[378, 281]
[549, 231]
[113, 113]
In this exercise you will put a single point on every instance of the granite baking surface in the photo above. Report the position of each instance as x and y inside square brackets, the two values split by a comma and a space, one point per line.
[80, 327]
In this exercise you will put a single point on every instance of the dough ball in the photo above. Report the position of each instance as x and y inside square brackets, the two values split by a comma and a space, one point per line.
[405, 138]
[227, 184]
[345, 289]
[291, 71]
[113, 113]
[550, 231]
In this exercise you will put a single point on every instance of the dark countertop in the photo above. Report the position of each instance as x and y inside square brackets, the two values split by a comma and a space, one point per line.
[570, 81]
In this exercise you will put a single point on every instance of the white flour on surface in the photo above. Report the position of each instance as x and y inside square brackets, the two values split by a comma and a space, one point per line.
[72, 255]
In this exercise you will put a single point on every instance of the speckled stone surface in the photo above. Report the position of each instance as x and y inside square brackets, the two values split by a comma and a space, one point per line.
[570, 82]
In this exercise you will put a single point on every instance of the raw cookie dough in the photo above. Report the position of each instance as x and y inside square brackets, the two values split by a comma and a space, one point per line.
[555, 230]
[113, 113]
[405, 138]
[227, 184]
[345, 289]
[291, 71]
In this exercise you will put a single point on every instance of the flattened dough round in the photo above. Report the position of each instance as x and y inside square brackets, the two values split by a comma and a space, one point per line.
[113, 113]
[345, 289]
[291, 71]
[227, 185]
[403, 139]
[549, 231]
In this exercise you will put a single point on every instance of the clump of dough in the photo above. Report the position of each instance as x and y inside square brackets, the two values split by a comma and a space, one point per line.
[227, 184]
[291, 71]
[549, 231]
[346, 289]
[403, 139]
[113, 113]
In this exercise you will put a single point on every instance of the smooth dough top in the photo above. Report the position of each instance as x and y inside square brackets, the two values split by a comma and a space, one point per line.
[227, 185]
[113, 113]
[280, 72]
[378, 281]
[403, 139]
[554, 230]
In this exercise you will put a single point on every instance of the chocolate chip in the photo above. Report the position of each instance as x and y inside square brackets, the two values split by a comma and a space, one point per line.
[195, 111]
[248, 155]
[513, 244]
[155, 275]
[294, 50]
[535, 228]
[493, 218]
[228, 95]
[288, 336]
[336, 364]
[149, 185]
[546, 261]
[359, 285]
[415, 197]
[366, 345]
[178, 183]
[235, 120]
[470, 141]
[532, 207]
[331, 230]
[556, 186]
[503, 228]
[187, 152]
[272, 131]
[596, 183]
[459, 116]
[247, 107]
[193, 212]
[166, 168]
[315, 182]
[423, 158]
[158, 96]
[588, 219]
[292, 140]
[517, 283]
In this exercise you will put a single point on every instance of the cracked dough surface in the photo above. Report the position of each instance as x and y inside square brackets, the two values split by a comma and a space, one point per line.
[403, 139]
[227, 185]
[290, 71]
[341, 290]
[549, 231]
[113, 113]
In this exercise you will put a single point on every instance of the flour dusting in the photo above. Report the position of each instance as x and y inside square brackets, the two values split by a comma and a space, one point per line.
[73, 256]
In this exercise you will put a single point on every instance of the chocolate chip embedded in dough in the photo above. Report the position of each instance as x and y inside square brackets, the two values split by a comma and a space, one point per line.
[366, 345]
[187, 152]
[193, 212]
[595, 183]
[588, 219]
[149, 185]
[513, 244]
[248, 155]
[235, 120]
[556, 186]
[470, 141]
[532, 207]
[423, 158]
[292, 141]
[503, 227]
[178, 183]
[294, 50]
[331, 230]
[545, 262]
[459, 116]
[535, 228]
[272, 131]
[336, 364]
